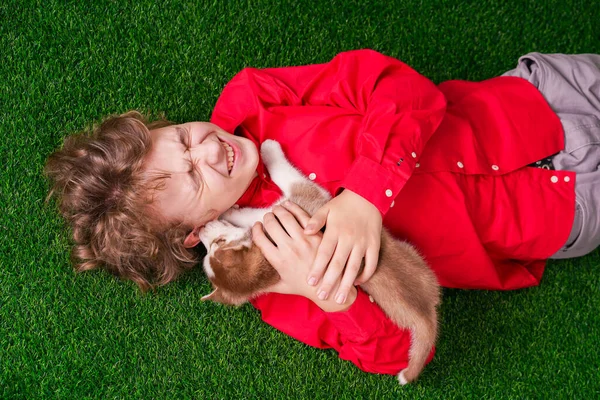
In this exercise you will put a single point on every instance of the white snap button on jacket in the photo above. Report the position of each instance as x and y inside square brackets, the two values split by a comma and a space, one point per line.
[312, 176]
[495, 167]
[460, 165]
[388, 193]
[554, 179]
[413, 154]
[567, 179]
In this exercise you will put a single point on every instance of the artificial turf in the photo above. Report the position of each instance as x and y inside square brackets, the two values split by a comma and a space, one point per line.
[66, 64]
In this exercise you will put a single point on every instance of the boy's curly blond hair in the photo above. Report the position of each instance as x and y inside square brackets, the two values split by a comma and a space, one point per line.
[105, 196]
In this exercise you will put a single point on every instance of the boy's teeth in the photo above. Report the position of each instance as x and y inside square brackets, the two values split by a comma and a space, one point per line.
[230, 155]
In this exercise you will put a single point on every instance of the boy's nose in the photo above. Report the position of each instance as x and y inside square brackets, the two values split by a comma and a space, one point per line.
[212, 152]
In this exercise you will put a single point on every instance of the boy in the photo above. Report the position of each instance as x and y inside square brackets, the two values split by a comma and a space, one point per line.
[454, 169]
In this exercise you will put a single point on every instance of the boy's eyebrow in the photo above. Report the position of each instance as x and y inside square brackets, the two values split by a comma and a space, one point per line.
[183, 134]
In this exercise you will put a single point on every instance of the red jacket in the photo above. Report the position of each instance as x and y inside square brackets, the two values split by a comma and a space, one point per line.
[445, 165]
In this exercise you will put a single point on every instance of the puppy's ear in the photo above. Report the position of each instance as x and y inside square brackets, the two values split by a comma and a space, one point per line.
[215, 296]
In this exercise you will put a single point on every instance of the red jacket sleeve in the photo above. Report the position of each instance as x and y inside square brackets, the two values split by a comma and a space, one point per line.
[399, 108]
[362, 334]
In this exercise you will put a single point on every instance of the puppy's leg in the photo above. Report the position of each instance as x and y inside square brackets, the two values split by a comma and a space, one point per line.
[282, 171]
[244, 217]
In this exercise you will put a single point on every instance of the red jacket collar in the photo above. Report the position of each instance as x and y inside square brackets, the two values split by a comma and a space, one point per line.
[262, 192]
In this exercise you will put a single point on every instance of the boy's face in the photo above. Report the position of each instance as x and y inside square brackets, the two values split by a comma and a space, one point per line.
[208, 168]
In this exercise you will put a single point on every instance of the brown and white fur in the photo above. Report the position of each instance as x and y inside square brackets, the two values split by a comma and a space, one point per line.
[403, 285]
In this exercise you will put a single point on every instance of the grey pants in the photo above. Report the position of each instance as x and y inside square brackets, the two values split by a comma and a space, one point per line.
[571, 85]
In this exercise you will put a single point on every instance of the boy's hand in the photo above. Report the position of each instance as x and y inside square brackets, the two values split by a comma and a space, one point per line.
[353, 232]
[292, 253]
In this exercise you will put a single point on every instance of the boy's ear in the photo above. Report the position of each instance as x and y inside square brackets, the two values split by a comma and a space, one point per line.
[192, 239]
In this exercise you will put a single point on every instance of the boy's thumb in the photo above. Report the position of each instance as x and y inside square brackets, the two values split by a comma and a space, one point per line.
[316, 222]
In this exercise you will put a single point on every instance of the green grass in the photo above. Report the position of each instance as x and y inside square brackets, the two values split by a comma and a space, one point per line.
[65, 64]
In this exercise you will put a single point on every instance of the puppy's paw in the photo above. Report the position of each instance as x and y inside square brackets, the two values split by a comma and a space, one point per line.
[271, 153]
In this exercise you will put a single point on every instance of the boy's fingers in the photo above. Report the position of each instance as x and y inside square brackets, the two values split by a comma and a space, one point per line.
[274, 229]
[334, 271]
[371, 260]
[288, 221]
[324, 253]
[317, 221]
[352, 268]
[301, 216]
[263, 243]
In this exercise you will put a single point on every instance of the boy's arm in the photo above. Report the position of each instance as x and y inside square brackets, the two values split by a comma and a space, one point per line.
[362, 334]
[386, 109]
[399, 110]
[383, 106]
[359, 331]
